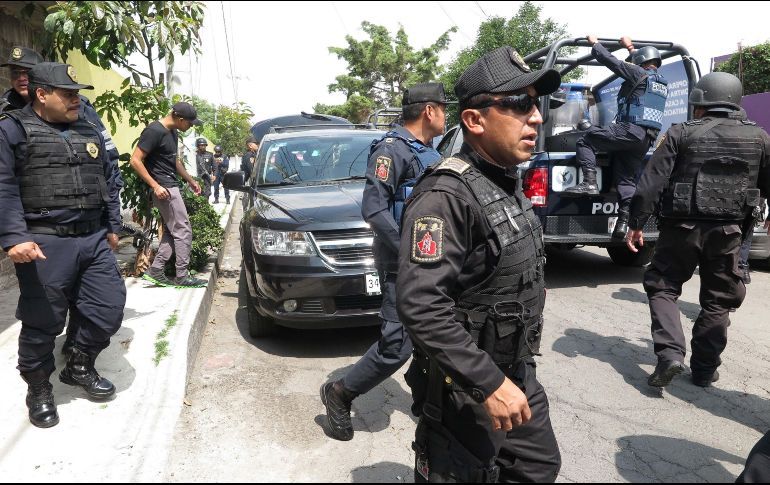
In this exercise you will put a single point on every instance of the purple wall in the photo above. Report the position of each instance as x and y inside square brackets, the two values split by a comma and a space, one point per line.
[757, 107]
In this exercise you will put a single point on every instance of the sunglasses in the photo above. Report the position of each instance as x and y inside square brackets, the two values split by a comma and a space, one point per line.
[521, 103]
[17, 73]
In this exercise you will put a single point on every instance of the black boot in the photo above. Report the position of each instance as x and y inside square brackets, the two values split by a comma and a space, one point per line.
[665, 372]
[621, 225]
[69, 344]
[587, 186]
[338, 401]
[80, 372]
[42, 408]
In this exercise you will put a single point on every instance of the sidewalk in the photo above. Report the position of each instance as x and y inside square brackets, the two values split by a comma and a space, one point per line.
[123, 440]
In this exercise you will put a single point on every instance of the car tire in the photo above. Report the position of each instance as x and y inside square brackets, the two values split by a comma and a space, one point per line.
[622, 256]
[259, 325]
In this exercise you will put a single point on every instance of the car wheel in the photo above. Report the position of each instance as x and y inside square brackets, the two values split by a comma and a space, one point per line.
[259, 325]
[622, 256]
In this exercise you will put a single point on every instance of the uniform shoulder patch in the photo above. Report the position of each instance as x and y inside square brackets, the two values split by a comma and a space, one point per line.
[660, 140]
[382, 168]
[427, 239]
[453, 165]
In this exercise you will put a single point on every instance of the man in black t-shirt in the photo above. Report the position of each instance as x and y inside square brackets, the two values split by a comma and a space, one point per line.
[155, 160]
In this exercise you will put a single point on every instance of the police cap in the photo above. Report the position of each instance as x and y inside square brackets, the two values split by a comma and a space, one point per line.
[504, 70]
[55, 74]
[425, 93]
[201, 141]
[217, 149]
[23, 57]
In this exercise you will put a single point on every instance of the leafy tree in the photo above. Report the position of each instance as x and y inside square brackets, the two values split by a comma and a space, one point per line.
[380, 68]
[752, 66]
[526, 32]
[230, 128]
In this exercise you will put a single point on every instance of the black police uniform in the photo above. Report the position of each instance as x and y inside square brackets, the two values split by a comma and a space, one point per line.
[707, 171]
[204, 163]
[395, 162]
[471, 294]
[247, 163]
[80, 267]
[627, 141]
[220, 168]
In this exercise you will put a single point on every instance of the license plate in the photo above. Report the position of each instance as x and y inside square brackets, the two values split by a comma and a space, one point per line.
[372, 281]
[611, 224]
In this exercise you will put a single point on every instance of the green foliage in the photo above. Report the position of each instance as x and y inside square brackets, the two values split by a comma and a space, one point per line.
[143, 105]
[208, 235]
[380, 68]
[752, 66]
[161, 344]
[526, 32]
[231, 129]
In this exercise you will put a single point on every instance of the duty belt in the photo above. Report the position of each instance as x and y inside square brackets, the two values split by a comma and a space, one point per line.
[69, 229]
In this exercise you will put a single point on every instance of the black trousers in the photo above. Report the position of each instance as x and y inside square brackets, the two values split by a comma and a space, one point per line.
[217, 183]
[79, 272]
[714, 247]
[627, 144]
[527, 453]
[758, 463]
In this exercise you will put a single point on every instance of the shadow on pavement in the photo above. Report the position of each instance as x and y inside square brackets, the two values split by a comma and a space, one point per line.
[568, 269]
[690, 310]
[384, 472]
[625, 357]
[646, 458]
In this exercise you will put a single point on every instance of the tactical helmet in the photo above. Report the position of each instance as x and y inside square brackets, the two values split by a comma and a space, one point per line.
[217, 149]
[201, 141]
[718, 91]
[646, 54]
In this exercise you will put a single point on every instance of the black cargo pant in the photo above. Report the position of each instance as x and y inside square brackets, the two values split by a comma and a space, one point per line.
[527, 453]
[387, 355]
[79, 272]
[758, 463]
[714, 247]
[627, 145]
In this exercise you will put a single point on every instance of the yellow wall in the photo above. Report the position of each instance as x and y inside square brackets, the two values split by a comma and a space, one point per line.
[103, 80]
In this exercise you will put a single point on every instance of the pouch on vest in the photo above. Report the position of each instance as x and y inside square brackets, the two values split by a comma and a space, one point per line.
[721, 186]
[533, 334]
[682, 197]
[505, 331]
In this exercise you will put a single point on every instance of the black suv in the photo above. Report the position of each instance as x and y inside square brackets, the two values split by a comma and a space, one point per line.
[307, 252]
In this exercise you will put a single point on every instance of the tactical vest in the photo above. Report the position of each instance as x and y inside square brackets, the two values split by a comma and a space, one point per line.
[424, 157]
[204, 164]
[503, 313]
[645, 110]
[715, 176]
[60, 172]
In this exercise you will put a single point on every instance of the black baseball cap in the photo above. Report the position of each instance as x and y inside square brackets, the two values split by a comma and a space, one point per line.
[425, 93]
[251, 139]
[23, 57]
[504, 70]
[186, 111]
[55, 74]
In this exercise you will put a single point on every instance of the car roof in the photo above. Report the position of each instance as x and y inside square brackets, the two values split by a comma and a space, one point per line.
[328, 133]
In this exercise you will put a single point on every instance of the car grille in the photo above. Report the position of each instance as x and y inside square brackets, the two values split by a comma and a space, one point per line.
[356, 302]
[311, 306]
[350, 247]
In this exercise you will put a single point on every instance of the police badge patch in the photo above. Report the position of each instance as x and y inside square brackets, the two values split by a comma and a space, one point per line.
[427, 239]
[382, 168]
[71, 73]
[519, 61]
[660, 141]
[92, 149]
[16, 54]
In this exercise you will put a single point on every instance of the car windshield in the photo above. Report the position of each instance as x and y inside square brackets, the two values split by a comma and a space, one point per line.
[313, 159]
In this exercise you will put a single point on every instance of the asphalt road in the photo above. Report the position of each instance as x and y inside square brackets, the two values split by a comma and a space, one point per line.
[254, 413]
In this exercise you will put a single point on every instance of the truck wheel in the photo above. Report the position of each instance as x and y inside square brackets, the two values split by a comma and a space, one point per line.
[620, 255]
[259, 325]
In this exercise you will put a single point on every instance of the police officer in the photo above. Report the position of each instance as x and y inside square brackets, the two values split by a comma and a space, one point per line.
[250, 157]
[204, 163]
[220, 168]
[757, 468]
[60, 218]
[395, 161]
[471, 290]
[641, 102]
[710, 172]
[20, 61]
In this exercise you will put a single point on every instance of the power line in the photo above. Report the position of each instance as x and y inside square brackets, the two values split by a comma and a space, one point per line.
[334, 5]
[454, 24]
[482, 10]
[229, 57]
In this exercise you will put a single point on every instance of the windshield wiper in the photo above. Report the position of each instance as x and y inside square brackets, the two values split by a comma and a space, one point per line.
[276, 184]
[352, 177]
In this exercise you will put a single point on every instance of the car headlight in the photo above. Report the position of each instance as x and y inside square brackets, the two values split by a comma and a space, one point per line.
[281, 243]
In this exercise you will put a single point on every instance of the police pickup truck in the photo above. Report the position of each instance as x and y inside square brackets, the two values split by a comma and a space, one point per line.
[587, 221]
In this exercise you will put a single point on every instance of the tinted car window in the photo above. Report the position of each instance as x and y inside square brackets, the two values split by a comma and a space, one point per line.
[445, 145]
[313, 159]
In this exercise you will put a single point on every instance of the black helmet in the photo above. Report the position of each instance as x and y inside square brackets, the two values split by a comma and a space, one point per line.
[201, 141]
[718, 91]
[646, 54]
[217, 149]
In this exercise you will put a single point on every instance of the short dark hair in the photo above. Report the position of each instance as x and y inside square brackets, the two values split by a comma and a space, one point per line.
[411, 112]
[474, 100]
[32, 88]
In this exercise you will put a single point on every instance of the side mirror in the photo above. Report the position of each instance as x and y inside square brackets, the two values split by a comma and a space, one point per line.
[556, 103]
[235, 181]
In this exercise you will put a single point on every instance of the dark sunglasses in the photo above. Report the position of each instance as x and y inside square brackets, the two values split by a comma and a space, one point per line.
[521, 103]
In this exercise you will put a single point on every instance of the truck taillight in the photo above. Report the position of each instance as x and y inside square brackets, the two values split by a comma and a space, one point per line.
[535, 186]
